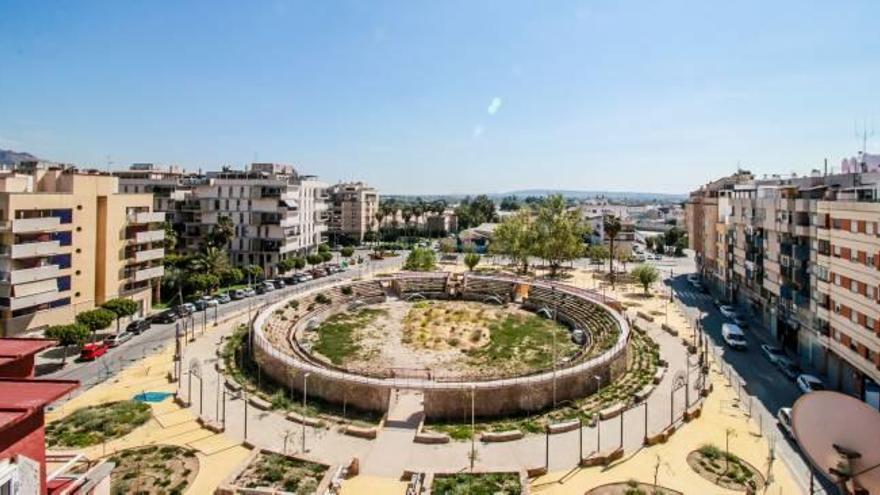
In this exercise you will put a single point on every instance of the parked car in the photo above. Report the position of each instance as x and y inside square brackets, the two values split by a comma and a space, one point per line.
[289, 279]
[138, 326]
[279, 283]
[773, 354]
[260, 289]
[250, 292]
[788, 367]
[741, 320]
[223, 298]
[186, 309]
[302, 277]
[693, 279]
[169, 316]
[317, 273]
[783, 417]
[238, 295]
[728, 311]
[117, 339]
[734, 336]
[809, 383]
[93, 351]
[269, 286]
[200, 304]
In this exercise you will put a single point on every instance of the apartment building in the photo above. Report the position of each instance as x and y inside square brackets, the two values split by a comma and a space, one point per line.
[276, 212]
[803, 254]
[353, 207]
[70, 241]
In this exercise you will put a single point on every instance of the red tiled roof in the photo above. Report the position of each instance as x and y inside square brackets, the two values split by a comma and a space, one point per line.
[32, 394]
[9, 417]
[16, 348]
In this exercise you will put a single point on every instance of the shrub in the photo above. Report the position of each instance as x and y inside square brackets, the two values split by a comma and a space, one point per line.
[322, 299]
[711, 451]
[347, 290]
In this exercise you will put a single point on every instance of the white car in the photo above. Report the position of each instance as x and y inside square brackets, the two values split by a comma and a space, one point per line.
[728, 311]
[117, 339]
[734, 337]
[783, 417]
[773, 354]
[809, 383]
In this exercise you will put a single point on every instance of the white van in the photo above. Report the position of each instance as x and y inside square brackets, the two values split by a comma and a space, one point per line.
[733, 336]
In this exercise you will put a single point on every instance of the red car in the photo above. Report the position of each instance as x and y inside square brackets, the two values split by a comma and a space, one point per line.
[93, 351]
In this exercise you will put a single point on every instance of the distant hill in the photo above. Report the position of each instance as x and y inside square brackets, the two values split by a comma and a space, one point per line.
[641, 197]
[9, 157]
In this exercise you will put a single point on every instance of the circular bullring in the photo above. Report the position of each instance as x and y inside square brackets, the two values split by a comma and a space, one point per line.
[505, 340]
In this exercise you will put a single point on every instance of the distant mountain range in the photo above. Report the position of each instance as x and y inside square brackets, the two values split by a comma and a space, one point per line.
[9, 157]
[640, 197]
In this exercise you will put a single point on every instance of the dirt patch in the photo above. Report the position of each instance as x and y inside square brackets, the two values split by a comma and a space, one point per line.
[725, 469]
[280, 472]
[154, 469]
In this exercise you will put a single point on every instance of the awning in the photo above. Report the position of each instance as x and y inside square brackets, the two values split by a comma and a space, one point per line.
[290, 203]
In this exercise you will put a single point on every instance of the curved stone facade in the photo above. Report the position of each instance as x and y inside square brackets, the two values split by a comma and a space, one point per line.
[452, 399]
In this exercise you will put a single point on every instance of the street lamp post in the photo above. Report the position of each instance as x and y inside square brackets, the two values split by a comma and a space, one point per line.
[305, 394]
[598, 418]
[473, 427]
[646, 422]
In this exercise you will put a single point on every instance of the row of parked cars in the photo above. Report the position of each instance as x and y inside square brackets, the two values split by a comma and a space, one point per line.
[734, 338]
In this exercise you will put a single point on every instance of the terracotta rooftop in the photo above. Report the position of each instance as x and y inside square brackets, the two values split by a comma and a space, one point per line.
[17, 348]
[32, 394]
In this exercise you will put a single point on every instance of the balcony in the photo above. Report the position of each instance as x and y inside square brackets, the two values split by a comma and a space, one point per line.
[26, 275]
[21, 302]
[42, 224]
[146, 217]
[149, 236]
[31, 249]
[149, 273]
[149, 255]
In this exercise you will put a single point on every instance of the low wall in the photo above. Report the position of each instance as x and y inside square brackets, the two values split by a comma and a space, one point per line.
[518, 398]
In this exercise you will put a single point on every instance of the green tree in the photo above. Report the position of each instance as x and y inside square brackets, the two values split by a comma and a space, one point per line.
[170, 241]
[326, 256]
[68, 335]
[509, 203]
[202, 282]
[447, 245]
[230, 276]
[471, 260]
[598, 254]
[347, 252]
[560, 233]
[255, 272]
[121, 307]
[173, 281]
[222, 232]
[210, 260]
[285, 265]
[96, 319]
[515, 238]
[420, 260]
[646, 275]
[612, 226]
[299, 263]
[314, 259]
[323, 248]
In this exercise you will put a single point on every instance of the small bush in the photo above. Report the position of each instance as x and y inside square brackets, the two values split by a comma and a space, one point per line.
[322, 299]
[347, 290]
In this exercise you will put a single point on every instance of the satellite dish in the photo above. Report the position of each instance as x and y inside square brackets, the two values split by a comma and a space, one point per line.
[840, 435]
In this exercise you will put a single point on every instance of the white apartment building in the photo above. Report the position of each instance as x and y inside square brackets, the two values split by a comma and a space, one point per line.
[277, 213]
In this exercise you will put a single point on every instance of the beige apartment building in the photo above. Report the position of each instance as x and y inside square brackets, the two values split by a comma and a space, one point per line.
[70, 241]
[353, 207]
[803, 254]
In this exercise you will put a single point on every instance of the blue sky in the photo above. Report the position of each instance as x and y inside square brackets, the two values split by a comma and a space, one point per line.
[451, 96]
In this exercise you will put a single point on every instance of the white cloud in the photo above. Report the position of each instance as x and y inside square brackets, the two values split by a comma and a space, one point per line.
[494, 106]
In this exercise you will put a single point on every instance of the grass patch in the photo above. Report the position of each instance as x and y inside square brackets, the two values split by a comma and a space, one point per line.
[96, 424]
[525, 340]
[153, 469]
[477, 484]
[280, 472]
[336, 339]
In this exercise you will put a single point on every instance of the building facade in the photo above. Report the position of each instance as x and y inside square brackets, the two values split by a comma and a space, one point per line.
[70, 241]
[803, 253]
[353, 207]
[276, 212]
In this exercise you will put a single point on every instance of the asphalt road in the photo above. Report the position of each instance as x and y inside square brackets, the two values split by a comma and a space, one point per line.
[90, 373]
[767, 385]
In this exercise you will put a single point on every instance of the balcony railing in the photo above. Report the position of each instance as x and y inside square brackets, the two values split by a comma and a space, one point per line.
[26, 275]
[22, 302]
[149, 273]
[42, 224]
[149, 254]
[146, 217]
[149, 236]
[31, 249]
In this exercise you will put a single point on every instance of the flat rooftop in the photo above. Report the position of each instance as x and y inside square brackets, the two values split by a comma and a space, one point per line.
[32, 394]
[17, 348]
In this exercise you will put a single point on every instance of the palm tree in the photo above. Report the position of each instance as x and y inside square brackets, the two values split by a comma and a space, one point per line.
[211, 260]
[173, 280]
[611, 225]
[222, 232]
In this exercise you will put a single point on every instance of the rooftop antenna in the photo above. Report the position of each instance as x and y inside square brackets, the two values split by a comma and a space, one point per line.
[864, 135]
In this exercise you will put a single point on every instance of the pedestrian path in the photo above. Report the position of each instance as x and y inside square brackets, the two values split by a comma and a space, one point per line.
[392, 449]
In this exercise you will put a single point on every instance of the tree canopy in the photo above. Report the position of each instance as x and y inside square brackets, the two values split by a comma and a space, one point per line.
[473, 212]
[420, 260]
[471, 260]
[646, 275]
[560, 233]
[516, 239]
[96, 319]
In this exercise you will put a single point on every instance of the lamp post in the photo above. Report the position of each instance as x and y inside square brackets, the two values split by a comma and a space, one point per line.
[244, 397]
[598, 418]
[305, 394]
[473, 427]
